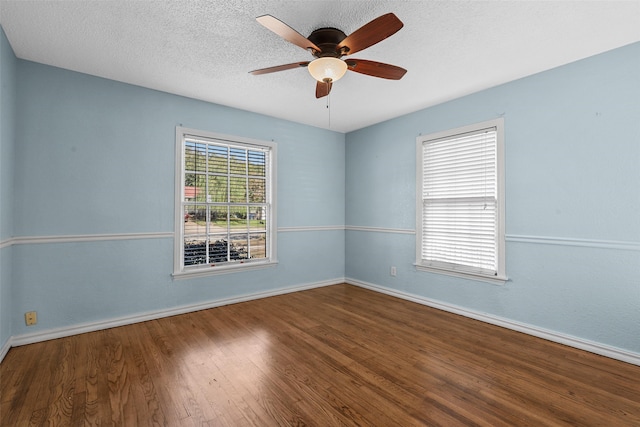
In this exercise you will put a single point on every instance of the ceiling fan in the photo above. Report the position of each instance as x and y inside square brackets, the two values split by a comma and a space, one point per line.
[328, 45]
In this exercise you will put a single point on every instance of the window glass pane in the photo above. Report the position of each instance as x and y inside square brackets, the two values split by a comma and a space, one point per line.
[200, 187]
[239, 248]
[238, 189]
[189, 156]
[238, 161]
[258, 245]
[218, 249]
[460, 233]
[463, 166]
[190, 187]
[257, 190]
[195, 250]
[238, 218]
[257, 218]
[196, 160]
[218, 218]
[195, 220]
[217, 190]
[194, 187]
[218, 159]
[257, 163]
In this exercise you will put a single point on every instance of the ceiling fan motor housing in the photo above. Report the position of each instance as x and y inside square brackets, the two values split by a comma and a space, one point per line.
[327, 39]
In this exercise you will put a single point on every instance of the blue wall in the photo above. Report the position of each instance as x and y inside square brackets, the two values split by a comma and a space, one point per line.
[96, 157]
[572, 138]
[7, 143]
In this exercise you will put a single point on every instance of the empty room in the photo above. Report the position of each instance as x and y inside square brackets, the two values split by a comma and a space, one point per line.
[321, 213]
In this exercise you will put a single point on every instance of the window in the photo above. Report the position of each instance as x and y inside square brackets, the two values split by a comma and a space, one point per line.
[225, 203]
[460, 202]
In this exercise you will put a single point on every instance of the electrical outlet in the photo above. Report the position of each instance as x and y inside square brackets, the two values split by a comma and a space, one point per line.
[393, 270]
[31, 318]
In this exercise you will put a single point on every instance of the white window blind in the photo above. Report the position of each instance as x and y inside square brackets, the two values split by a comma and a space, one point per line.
[460, 203]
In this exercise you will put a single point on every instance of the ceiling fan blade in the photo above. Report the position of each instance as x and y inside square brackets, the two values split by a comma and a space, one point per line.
[279, 68]
[376, 69]
[323, 89]
[370, 34]
[286, 32]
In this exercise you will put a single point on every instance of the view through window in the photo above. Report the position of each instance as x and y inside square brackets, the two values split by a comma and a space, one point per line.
[225, 201]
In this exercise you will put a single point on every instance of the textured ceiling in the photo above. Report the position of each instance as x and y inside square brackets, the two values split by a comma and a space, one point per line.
[204, 49]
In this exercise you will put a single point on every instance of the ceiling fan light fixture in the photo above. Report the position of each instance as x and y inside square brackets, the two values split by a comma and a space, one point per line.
[327, 69]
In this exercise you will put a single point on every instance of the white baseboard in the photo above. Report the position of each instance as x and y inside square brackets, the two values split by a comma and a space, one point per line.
[5, 349]
[152, 315]
[582, 344]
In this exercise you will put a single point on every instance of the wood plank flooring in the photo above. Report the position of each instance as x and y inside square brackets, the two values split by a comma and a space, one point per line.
[332, 356]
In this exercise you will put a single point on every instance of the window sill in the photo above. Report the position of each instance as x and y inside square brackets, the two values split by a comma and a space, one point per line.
[213, 271]
[496, 280]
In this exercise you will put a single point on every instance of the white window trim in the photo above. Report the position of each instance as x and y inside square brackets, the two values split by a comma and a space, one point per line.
[500, 277]
[179, 272]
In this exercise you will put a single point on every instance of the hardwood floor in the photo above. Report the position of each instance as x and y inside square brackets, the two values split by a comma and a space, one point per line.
[338, 355]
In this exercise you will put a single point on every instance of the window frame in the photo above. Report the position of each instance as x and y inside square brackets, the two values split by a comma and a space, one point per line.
[179, 269]
[458, 270]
